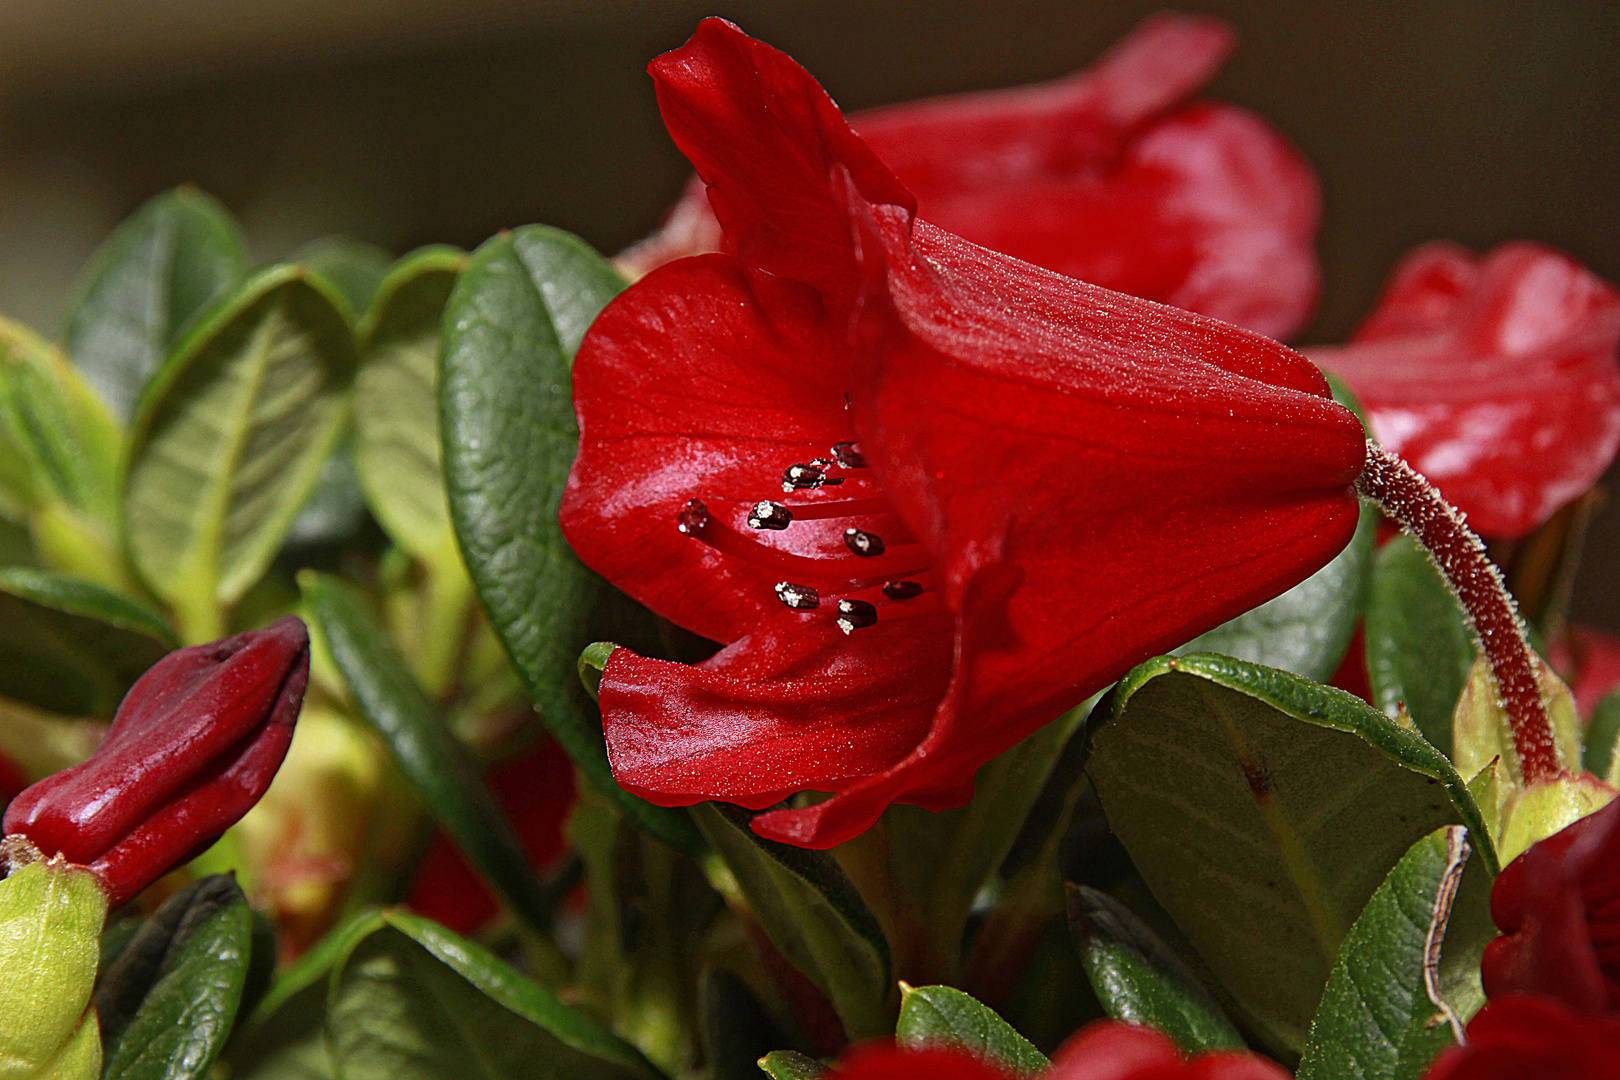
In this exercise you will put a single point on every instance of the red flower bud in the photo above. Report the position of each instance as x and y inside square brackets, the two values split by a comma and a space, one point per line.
[1520, 1037]
[1558, 906]
[195, 743]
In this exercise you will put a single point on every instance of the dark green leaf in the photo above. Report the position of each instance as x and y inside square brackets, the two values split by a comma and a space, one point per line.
[159, 269]
[1139, 978]
[336, 508]
[511, 326]
[792, 1065]
[194, 957]
[1597, 755]
[426, 751]
[230, 439]
[942, 1016]
[1377, 1019]
[412, 1001]
[737, 1031]
[1306, 629]
[354, 266]
[1263, 810]
[1419, 645]
[812, 914]
[72, 647]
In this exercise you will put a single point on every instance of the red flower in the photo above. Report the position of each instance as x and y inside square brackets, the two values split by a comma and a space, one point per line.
[1005, 487]
[536, 790]
[1495, 377]
[1532, 1038]
[1592, 657]
[1109, 176]
[1558, 906]
[195, 742]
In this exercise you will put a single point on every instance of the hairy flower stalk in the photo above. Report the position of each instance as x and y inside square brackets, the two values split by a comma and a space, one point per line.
[1402, 493]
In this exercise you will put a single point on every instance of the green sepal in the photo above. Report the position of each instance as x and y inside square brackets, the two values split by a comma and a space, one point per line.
[792, 1065]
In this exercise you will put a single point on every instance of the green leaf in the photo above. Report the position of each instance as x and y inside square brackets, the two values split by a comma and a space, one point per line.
[161, 267]
[737, 1031]
[51, 915]
[230, 439]
[792, 1065]
[511, 327]
[71, 647]
[426, 751]
[1138, 978]
[1307, 628]
[812, 914]
[1419, 644]
[353, 266]
[199, 949]
[1263, 810]
[412, 1000]
[941, 1015]
[335, 510]
[1598, 756]
[1377, 1019]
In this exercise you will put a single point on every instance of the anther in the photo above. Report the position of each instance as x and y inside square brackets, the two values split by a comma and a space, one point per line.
[693, 518]
[798, 597]
[863, 543]
[854, 614]
[902, 590]
[808, 475]
[769, 515]
[848, 455]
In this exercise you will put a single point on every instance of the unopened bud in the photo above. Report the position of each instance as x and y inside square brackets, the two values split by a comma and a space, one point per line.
[194, 744]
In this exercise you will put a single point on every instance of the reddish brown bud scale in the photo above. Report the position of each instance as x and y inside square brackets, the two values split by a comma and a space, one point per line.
[1407, 497]
[195, 743]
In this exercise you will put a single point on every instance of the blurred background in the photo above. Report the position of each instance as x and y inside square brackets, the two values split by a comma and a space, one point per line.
[407, 121]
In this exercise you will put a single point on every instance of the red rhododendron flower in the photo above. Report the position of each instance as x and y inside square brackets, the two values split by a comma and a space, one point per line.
[1592, 658]
[1533, 1038]
[1558, 906]
[536, 790]
[1495, 378]
[1109, 176]
[927, 495]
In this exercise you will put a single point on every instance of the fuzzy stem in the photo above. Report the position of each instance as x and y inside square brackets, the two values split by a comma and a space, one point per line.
[1399, 491]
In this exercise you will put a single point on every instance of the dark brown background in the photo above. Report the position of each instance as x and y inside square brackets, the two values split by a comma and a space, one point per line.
[407, 121]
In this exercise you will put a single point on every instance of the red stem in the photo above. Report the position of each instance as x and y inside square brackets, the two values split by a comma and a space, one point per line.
[1407, 497]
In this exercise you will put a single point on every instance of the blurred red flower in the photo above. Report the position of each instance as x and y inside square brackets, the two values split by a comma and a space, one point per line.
[1109, 175]
[1495, 378]
[999, 488]
[1533, 1038]
[1591, 658]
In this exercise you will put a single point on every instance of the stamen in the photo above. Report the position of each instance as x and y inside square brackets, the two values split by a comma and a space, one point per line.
[855, 614]
[848, 455]
[839, 571]
[903, 590]
[837, 508]
[808, 475]
[694, 519]
[769, 515]
[798, 597]
[865, 544]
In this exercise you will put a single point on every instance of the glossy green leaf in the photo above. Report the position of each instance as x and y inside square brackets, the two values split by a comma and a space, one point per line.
[396, 403]
[1138, 978]
[1263, 810]
[71, 647]
[512, 324]
[737, 1030]
[944, 1016]
[230, 440]
[199, 952]
[354, 266]
[1597, 755]
[1419, 644]
[412, 1001]
[1306, 629]
[792, 1065]
[422, 744]
[812, 914]
[161, 267]
[1377, 1019]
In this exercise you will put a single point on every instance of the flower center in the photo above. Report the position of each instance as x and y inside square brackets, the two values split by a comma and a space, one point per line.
[878, 575]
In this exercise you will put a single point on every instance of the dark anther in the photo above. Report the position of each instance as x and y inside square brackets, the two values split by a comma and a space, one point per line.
[902, 590]
[693, 518]
[848, 455]
[769, 515]
[863, 543]
[807, 475]
[798, 597]
[854, 614]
